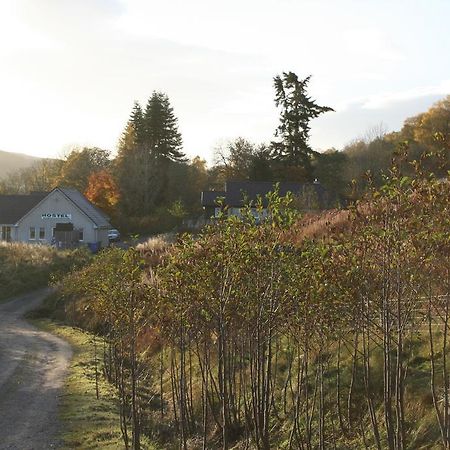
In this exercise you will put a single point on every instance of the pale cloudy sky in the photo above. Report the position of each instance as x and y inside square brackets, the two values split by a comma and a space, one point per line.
[71, 69]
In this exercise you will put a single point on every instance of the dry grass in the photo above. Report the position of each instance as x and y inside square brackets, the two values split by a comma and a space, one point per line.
[320, 225]
[24, 267]
[155, 243]
[14, 253]
[155, 247]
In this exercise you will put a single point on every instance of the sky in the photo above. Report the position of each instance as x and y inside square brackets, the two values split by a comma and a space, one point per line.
[70, 70]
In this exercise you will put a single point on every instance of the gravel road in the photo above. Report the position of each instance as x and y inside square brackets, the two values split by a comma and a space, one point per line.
[33, 364]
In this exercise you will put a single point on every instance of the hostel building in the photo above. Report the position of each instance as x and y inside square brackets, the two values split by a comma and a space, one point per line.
[63, 217]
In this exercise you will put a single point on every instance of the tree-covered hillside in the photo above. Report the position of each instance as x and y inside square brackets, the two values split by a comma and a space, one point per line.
[11, 162]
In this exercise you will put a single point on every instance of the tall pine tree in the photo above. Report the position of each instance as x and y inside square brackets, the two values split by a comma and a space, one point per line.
[150, 143]
[137, 122]
[161, 128]
[297, 110]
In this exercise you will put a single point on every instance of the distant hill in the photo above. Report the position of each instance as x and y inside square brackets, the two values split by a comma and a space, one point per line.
[10, 162]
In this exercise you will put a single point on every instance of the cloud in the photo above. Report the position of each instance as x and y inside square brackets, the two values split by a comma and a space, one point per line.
[17, 35]
[387, 99]
[72, 69]
[339, 128]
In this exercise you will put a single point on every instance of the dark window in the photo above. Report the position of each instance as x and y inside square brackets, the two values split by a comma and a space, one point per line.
[5, 234]
[81, 234]
[41, 233]
[32, 233]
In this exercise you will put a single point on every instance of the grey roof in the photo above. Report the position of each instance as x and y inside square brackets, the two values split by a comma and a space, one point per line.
[96, 215]
[14, 207]
[239, 193]
[209, 198]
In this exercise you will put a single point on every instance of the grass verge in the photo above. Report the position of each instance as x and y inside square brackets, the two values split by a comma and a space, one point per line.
[86, 423]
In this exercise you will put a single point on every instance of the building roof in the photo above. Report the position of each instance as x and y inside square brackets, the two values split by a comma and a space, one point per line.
[14, 207]
[210, 198]
[240, 193]
[96, 215]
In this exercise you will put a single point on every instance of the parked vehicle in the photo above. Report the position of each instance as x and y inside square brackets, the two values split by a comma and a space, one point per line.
[113, 235]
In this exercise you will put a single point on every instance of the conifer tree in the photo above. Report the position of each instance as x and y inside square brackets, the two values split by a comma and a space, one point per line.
[150, 143]
[137, 121]
[136, 171]
[297, 110]
[161, 128]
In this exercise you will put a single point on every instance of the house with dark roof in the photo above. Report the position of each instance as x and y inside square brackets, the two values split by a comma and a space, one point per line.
[238, 194]
[64, 217]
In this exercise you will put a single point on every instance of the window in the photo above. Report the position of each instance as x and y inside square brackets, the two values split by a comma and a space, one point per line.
[80, 234]
[32, 233]
[41, 233]
[5, 234]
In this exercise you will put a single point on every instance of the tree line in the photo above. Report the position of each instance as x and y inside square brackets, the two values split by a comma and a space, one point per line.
[151, 186]
[261, 336]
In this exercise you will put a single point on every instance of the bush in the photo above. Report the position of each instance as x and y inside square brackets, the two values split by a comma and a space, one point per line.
[161, 221]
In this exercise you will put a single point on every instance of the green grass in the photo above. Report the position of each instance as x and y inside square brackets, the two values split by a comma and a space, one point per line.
[87, 423]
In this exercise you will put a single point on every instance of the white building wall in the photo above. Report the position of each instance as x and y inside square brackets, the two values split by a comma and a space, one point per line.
[258, 214]
[102, 236]
[56, 203]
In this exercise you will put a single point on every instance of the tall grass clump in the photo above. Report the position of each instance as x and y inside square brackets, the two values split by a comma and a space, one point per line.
[24, 267]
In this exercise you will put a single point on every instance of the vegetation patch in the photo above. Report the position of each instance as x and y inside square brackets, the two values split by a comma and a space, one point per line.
[282, 333]
[24, 267]
[87, 422]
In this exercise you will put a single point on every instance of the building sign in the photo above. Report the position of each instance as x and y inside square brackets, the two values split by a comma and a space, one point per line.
[56, 216]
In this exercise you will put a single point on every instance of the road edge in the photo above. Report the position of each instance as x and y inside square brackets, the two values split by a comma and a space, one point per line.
[85, 422]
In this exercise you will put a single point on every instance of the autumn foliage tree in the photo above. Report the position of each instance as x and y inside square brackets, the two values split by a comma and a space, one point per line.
[102, 191]
[80, 164]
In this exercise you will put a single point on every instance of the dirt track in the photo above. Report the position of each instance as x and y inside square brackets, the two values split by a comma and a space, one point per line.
[33, 364]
